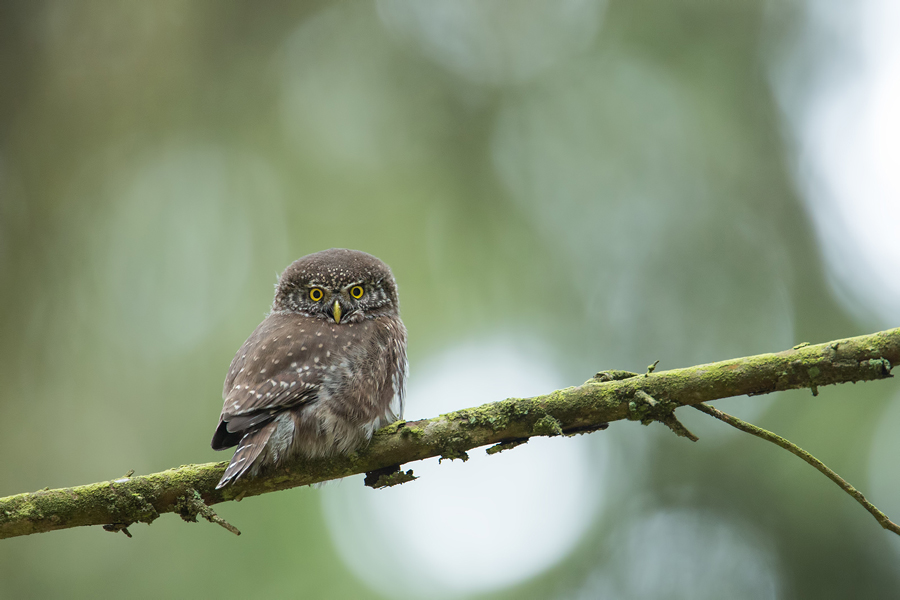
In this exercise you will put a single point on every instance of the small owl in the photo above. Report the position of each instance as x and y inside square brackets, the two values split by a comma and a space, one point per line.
[322, 372]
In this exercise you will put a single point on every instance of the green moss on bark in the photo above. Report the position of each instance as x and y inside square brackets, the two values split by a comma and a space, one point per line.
[587, 407]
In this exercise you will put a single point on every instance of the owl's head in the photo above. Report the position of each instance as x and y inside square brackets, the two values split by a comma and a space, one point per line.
[344, 286]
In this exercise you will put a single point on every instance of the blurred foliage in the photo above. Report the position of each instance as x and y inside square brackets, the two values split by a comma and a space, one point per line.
[610, 179]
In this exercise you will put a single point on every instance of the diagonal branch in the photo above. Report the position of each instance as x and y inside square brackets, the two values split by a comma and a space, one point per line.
[569, 411]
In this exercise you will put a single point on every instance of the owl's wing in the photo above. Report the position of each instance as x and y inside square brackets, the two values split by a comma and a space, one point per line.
[248, 404]
[269, 374]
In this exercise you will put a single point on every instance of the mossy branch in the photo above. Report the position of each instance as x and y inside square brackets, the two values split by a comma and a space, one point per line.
[609, 396]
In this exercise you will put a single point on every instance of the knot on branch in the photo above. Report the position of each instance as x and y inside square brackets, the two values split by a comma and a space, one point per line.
[646, 409]
[117, 527]
[548, 426]
[880, 366]
[191, 504]
[451, 453]
[509, 445]
[128, 507]
[388, 477]
[613, 375]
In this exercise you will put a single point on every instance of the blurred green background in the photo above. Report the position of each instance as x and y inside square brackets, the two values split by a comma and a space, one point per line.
[604, 184]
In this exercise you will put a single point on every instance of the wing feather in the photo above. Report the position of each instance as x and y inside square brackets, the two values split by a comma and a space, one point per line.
[269, 374]
[249, 449]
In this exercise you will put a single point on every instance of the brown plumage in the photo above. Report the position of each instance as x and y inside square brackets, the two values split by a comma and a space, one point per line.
[322, 372]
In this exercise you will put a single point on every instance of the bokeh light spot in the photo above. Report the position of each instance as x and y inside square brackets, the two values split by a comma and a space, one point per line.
[480, 525]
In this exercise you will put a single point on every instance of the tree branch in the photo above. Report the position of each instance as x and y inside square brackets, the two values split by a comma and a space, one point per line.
[607, 397]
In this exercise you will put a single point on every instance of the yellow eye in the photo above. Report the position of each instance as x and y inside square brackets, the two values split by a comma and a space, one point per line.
[357, 291]
[316, 294]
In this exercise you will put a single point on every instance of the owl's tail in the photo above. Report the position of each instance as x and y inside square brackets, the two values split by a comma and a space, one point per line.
[249, 449]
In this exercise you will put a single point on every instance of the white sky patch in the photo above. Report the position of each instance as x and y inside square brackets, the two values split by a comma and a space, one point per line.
[488, 523]
[839, 87]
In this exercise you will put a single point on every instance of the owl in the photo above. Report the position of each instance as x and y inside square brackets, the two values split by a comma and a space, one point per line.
[323, 371]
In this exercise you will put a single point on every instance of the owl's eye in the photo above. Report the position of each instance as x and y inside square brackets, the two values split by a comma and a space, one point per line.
[316, 294]
[357, 291]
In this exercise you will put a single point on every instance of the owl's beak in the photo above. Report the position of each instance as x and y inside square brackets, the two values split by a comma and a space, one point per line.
[337, 311]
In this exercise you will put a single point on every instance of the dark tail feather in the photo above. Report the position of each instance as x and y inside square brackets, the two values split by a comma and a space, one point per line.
[248, 450]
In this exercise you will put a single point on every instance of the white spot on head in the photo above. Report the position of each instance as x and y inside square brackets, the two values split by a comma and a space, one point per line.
[320, 345]
[316, 359]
